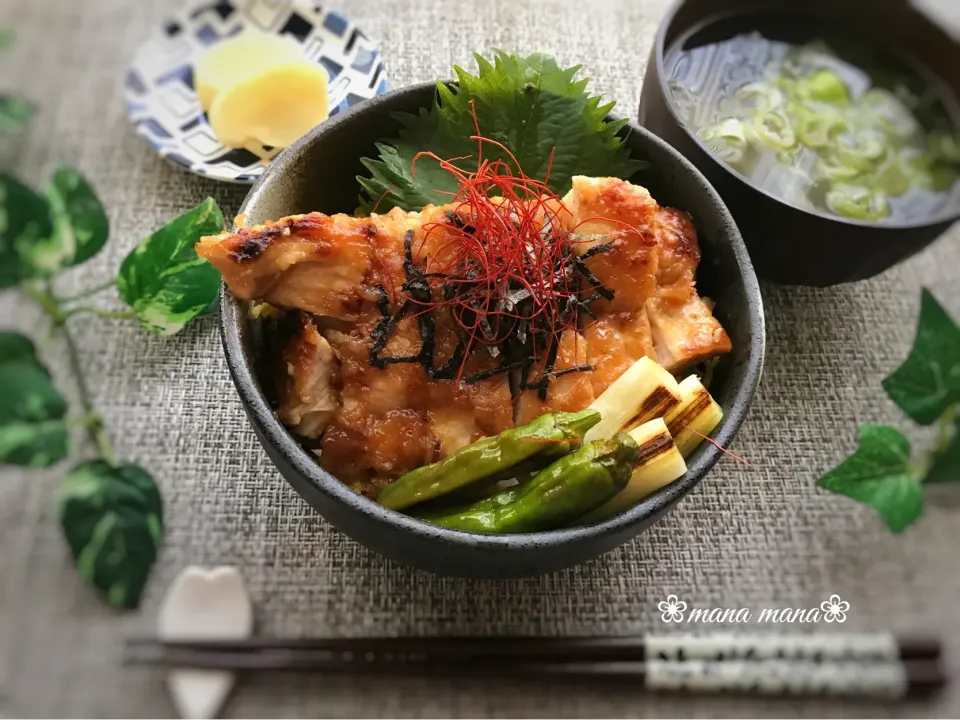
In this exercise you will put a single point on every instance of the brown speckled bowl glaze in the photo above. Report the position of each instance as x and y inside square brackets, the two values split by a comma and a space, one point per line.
[318, 173]
[789, 245]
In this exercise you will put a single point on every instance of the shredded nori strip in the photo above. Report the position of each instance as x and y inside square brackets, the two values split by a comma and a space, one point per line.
[383, 301]
[419, 290]
[448, 371]
[381, 335]
[596, 250]
[492, 372]
[591, 278]
[519, 350]
[458, 221]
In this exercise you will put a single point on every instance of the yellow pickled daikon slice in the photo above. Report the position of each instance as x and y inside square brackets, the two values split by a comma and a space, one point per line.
[276, 106]
[235, 59]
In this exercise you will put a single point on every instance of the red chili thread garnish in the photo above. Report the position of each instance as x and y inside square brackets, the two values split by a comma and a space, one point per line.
[380, 199]
[717, 445]
[504, 263]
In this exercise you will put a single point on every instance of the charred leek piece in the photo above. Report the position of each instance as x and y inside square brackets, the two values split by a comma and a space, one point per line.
[645, 391]
[659, 464]
[696, 415]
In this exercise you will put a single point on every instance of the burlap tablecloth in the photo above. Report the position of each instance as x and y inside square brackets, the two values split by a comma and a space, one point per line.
[745, 538]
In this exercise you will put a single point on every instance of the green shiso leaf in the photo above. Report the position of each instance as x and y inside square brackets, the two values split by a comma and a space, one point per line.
[529, 104]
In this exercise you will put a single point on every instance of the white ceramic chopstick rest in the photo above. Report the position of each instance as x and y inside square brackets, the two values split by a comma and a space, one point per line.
[204, 604]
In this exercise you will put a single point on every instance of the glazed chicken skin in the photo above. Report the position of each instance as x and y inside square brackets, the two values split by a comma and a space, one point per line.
[656, 310]
[682, 326]
[389, 418]
[397, 418]
[378, 418]
[625, 215]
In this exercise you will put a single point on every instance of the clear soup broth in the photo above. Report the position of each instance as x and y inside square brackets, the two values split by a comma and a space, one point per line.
[829, 124]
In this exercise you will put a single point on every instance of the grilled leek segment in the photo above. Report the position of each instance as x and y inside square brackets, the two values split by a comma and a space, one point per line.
[695, 417]
[660, 463]
[643, 392]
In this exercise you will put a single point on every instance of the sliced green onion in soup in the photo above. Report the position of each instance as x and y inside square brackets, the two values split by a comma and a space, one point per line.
[826, 86]
[944, 146]
[915, 160]
[819, 130]
[787, 157]
[758, 96]
[924, 171]
[939, 178]
[893, 177]
[857, 202]
[830, 168]
[796, 111]
[881, 107]
[727, 140]
[864, 151]
[810, 57]
[773, 129]
[786, 85]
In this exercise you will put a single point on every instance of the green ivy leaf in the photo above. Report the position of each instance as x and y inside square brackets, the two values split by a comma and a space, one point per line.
[946, 460]
[15, 112]
[164, 280]
[878, 474]
[34, 444]
[929, 381]
[33, 429]
[112, 518]
[80, 222]
[529, 104]
[25, 225]
[27, 394]
[15, 347]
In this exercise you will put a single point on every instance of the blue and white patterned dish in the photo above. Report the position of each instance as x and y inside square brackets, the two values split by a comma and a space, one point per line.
[159, 89]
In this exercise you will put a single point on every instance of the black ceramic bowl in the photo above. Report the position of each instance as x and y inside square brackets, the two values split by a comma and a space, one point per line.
[318, 173]
[789, 245]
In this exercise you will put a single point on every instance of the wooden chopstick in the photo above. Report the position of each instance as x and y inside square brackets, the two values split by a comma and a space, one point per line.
[891, 680]
[877, 665]
[717, 646]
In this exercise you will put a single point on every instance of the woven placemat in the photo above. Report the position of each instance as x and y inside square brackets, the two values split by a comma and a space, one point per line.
[763, 537]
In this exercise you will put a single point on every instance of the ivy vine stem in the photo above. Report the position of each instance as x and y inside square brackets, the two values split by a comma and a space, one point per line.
[88, 292]
[85, 420]
[946, 427]
[96, 430]
[920, 468]
[42, 294]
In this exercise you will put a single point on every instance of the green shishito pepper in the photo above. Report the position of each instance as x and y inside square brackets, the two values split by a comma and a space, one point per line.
[568, 489]
[552, 435]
